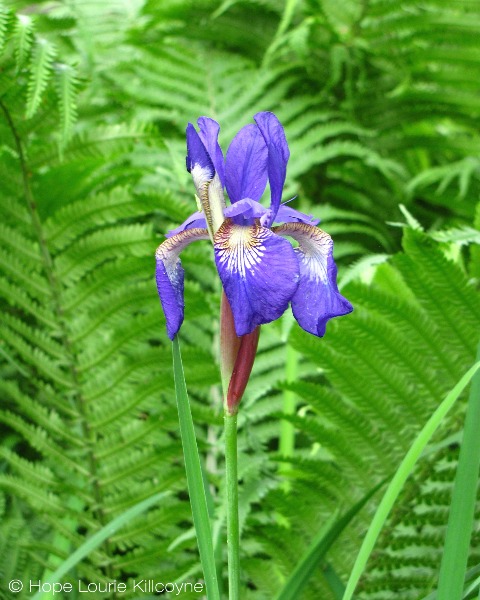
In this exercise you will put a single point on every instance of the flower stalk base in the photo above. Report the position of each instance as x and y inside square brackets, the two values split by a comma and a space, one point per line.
[233, 529]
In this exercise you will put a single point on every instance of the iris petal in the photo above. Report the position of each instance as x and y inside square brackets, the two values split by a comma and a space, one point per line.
[195, 220]
[207, 181]
[247, 209]
[317, 298]
[259, 273]
[199, 163]
[278, 155]
[169, 275]
[209, 130]
[246, 165]
[287, 214]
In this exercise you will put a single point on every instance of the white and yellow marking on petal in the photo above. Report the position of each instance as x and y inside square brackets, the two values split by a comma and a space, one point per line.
[240, 248]
[314, 244]
[210, 196]
[169, 251]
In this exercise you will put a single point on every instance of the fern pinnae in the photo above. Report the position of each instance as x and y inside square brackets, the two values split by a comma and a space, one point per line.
[81, 217]
[441, 276]
[32, 282]
[40, 68]
[32, 472]
[330, 405]
[15, 213]
[22, 246]
[34, 356]
[134, 433]
[101, 245]
[35, 336]
[416, 324]
[114, 410]
[22, 36]
[101, 281]
[338, 368]
[37, 498]
[395, 350]
[120, 306]
[124, 340]
[39, 439]
[333, 442]
[67, 84]
[4, 21]
[47, 419]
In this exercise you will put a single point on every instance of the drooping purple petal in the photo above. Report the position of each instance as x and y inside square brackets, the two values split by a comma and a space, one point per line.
[317, 298]
[278, 155]
[246, 165]
[169, 275]
[209, 135]
[195, 220]
[259, 273]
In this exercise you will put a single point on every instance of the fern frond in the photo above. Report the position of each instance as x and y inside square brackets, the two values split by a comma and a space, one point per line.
[4, 19]
[22, 37]
[40, 499]
[67, 84]
[40, 68]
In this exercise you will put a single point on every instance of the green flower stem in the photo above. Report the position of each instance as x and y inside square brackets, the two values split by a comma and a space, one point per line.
[287, 431]
[233, 530]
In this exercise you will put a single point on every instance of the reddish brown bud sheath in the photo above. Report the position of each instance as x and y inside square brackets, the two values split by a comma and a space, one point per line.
[237, 355]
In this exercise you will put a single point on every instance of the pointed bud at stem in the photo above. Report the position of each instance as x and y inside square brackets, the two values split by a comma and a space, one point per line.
[237, 355]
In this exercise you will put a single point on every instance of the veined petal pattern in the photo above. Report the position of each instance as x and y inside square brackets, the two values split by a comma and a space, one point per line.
[169, 275]
[317, 298]
[259, 273]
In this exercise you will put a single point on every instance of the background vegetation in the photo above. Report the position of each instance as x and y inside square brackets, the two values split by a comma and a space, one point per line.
[380, 102]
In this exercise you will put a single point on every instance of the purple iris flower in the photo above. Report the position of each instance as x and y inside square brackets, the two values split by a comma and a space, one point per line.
[260, 271]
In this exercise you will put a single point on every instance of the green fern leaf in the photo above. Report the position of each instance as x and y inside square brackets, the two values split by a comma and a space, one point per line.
[4, 20]
[40, 71]
[22, 37]
[67, 84]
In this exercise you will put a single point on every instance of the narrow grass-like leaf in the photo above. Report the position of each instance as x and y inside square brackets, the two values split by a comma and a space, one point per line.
[196, 489]
[470, 586]
[402, 474]
[462, 508]
[98, 538]
[319, 547]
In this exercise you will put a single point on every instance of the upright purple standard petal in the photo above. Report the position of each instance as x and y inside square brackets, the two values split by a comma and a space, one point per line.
[278, 155]
[246, 165]
[199, 163]
[206, 180]
[209, 130]
[317, 298]
[170, 275]
[259, 272]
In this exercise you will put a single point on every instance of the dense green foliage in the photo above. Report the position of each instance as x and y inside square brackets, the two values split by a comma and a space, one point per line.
[380, 102]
